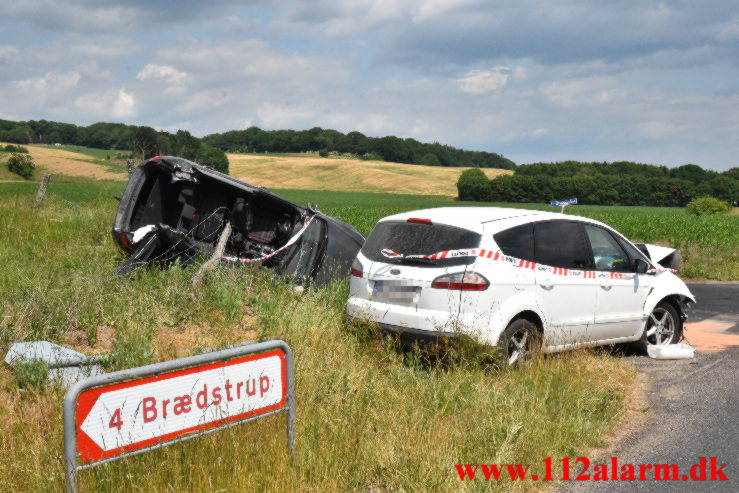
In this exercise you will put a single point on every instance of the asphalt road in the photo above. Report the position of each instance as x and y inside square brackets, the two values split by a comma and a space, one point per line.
[694, 406]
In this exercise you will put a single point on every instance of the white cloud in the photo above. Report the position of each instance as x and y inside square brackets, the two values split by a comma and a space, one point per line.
[124, 106]
[483, 81]
[163, 72]
[50, 89]
[586, 91]
[8, 53]
[115, 103]
[375, 123]
[284, 116]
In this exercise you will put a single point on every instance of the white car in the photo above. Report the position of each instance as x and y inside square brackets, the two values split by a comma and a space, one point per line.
[514, 278]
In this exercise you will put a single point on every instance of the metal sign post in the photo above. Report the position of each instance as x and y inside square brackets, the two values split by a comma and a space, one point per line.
[563, 203]
[128, 412]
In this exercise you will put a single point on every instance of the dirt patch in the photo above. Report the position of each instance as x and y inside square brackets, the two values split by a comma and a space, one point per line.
[79, 340]
[178, 342]
[710, 335]
[168, 342]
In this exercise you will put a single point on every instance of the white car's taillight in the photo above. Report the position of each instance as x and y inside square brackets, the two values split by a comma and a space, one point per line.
[357, 269]
[462, 281]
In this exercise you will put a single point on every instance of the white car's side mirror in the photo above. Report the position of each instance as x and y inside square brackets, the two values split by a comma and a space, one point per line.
[641, 266]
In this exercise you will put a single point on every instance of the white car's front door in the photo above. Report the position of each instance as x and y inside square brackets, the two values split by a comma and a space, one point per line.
[621, 292]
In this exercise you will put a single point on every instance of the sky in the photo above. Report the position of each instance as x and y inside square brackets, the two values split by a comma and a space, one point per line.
[533, 80]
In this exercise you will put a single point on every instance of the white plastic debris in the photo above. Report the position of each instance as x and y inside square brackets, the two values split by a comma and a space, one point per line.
[139, 234]
[671, 351]
[66, 366]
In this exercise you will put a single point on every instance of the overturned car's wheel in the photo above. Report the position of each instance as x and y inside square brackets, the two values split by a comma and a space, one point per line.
[518, 342]
[664, 326]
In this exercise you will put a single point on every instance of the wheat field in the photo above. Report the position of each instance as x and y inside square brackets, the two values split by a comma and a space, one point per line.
[350, 175]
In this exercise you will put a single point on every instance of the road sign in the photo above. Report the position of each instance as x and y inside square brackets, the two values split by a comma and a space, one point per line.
[562, 203]
[131, 411]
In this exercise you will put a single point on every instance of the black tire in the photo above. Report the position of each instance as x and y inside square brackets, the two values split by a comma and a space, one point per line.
[664, 326]
[518, 342]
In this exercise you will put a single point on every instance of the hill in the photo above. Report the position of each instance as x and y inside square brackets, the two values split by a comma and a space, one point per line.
[296, 171]
[355, 144]
[76, 164]
[311, 172]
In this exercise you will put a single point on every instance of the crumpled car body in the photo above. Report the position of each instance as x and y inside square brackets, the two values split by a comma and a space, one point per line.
[173, 208]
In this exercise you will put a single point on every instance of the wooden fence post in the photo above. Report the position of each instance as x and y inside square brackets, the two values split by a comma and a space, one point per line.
[42, 189]
[214, 259]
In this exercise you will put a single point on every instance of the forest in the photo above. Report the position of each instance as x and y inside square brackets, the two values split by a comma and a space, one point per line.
[143, 142]
[210, 150]
[618, 183]
[389, 148]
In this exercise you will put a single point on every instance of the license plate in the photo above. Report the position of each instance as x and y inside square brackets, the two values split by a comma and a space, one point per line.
[394, 291]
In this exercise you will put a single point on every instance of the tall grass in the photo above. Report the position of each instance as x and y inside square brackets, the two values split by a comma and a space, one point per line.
[369, 416]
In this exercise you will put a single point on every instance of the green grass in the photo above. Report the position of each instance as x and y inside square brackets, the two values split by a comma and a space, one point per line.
[369, 417]
[98, 154]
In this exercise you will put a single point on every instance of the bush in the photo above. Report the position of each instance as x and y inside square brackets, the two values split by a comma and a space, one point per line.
[430, 160]
[371, 156]
[31, 374]
[323, 153]
[708, 206]
[473, 185]
[18, 149]
[22, 164]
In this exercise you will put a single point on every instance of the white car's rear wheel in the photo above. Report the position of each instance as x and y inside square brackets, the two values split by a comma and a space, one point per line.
[519, 341]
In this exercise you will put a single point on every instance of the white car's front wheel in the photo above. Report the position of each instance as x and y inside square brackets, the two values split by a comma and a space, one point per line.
[664, 326]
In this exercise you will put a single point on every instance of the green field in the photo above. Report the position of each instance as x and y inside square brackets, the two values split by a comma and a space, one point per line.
[98, 154]
[369, 417]
[709, 244]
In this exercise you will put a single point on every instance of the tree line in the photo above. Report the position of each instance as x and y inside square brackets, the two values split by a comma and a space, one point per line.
[621, 183]
[144, 142]
[390, 148]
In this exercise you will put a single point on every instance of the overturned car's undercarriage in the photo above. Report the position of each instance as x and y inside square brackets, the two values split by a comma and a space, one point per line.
[175, 209]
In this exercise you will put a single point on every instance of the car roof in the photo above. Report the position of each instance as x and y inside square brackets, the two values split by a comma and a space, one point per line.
[473, 218]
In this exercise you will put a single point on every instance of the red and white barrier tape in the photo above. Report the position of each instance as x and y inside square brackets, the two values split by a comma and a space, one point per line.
[517, 262]
[289, 243]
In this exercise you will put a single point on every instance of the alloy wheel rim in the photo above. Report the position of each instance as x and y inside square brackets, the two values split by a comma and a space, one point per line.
[519, 345]
[661, 328]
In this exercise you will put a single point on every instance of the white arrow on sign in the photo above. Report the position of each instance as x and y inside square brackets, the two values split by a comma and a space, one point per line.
[171, 406]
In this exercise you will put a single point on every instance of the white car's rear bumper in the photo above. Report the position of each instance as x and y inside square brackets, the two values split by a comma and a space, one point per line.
[419, 321]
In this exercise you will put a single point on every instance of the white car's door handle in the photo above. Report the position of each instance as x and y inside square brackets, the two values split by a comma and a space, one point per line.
[606, 284]
[547, 283]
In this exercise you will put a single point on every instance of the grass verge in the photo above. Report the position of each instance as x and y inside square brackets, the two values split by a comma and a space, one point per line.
[370, 417]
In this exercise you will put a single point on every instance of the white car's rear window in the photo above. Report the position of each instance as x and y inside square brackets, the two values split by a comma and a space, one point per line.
[419, 239]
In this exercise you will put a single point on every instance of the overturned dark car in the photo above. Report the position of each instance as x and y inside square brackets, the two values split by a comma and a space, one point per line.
[173, 209]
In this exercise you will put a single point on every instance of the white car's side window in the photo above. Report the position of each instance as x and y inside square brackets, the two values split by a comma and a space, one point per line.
[561, 244]
[607, 254]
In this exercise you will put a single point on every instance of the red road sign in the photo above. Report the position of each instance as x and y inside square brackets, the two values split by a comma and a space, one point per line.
[135, 414]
